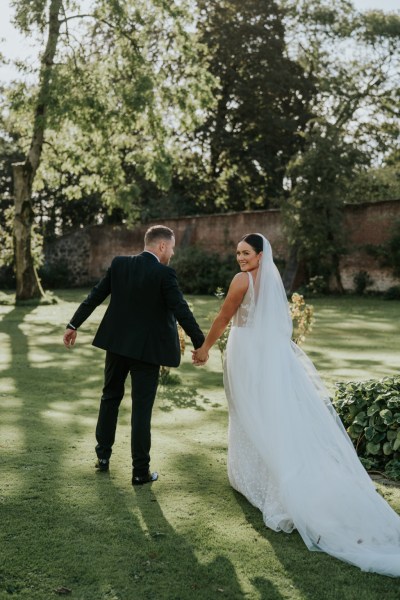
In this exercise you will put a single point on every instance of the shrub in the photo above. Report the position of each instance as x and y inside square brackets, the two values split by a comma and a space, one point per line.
[55, 274]
[317, 285]
[370, 411]
[388, 254]
[7, 277]
[201, 272]
[392, 293]
[168, 378]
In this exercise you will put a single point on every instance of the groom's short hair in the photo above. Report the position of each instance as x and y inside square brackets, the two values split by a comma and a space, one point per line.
[157, 233]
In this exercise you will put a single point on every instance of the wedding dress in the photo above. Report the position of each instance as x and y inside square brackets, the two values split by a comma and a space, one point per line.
[289, 453]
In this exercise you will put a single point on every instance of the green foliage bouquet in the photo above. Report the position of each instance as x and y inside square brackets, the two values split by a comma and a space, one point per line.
[302, 315]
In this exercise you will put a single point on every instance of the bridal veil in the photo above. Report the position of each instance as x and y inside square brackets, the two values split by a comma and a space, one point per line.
[289, 453]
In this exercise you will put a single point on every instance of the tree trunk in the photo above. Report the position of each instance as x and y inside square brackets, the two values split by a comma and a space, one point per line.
[28, 285]
[291, 269]
[336, 272]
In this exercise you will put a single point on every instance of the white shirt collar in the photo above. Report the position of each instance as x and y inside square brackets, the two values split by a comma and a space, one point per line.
[148, 251]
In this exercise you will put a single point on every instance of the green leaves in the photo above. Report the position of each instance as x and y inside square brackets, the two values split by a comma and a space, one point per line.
[354, 59]
[129, 81]
[370, 410]
[30, 14]
[262, 106]
[373, 449]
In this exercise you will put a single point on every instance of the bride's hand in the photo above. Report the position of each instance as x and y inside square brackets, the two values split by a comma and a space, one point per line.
[199, 356]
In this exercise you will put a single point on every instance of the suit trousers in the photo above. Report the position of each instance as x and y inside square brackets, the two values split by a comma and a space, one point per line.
[144, 378]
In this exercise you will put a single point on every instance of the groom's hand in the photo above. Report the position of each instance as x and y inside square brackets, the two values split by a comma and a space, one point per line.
[69, 337]
[199, 357]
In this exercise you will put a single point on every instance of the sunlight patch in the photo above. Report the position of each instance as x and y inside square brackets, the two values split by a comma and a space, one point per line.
[137, 513]
[39, 356]
[58, 415]
[10, 402]
[7, 386]
[5, 353]
[12, 439]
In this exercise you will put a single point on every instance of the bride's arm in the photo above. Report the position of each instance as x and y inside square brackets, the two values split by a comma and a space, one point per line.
[234, 297]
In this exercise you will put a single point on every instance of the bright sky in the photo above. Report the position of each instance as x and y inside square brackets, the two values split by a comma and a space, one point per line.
[15, 46]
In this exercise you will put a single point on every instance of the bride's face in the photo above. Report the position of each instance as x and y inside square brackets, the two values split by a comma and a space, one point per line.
[247, 257]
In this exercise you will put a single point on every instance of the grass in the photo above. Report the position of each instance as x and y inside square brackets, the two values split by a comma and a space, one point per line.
[187, 536]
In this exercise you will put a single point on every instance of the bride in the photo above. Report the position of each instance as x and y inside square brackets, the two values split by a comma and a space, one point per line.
[289, 453]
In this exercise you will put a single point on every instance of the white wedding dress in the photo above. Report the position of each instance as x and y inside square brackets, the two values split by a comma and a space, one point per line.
[289, 453]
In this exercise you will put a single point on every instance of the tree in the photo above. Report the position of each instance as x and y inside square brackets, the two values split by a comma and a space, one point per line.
[354, 59]
[113, 97]
[27, 282]
[263, 103]
[375, 184]
[313, 211]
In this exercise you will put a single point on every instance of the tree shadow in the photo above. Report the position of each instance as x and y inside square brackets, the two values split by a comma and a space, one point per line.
[304, 567]
[64, 526]
[40, 429]
[184, 569]
[181, 396]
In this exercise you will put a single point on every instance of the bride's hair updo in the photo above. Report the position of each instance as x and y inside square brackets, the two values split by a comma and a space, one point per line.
[254, 240]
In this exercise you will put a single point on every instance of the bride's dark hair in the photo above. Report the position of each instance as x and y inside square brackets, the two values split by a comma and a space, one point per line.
[254, 240]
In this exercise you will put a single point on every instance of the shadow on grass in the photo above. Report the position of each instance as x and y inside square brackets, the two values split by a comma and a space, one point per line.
[309, 575]
[32, 460]
[62, 527]
[36, 502]
[179, 396]
[182, 569]
[314, 574]
[203, 377]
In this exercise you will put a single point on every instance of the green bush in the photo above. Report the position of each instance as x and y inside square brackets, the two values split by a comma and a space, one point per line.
[201, 272]
[55, 275]
[388, 253]
[370, 411]
[392, 293]
[316, 286]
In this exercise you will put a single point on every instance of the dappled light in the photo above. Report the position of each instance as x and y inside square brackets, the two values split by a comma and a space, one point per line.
[190, 530]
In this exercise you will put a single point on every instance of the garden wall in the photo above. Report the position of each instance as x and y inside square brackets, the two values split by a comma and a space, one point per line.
[89, 251]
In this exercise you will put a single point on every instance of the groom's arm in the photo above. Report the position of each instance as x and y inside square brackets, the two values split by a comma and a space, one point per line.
[96, 296]
[178, 305]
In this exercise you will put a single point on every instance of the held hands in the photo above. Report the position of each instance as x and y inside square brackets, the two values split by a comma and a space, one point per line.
[69, 337]
[199, 356]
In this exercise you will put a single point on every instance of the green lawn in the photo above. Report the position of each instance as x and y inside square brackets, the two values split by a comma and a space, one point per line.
[187, 536]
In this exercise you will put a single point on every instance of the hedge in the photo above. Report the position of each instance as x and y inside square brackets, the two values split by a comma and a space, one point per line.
[370, 411]
[202, 272]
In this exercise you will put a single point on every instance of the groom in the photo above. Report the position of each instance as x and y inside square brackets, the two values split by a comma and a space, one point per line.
[139, 333]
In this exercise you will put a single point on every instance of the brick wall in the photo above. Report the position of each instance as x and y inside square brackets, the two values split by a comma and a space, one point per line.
[89, 251]
[368, 224]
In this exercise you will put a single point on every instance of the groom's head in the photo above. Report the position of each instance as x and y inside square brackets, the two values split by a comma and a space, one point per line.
[160, 240]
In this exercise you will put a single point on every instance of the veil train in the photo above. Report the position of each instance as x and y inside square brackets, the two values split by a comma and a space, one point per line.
[289, 452]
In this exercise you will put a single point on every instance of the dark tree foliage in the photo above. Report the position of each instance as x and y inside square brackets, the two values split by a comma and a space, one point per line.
[263, 102]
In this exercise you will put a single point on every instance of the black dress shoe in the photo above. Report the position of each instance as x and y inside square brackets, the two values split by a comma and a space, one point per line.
[102, 464]
[141, 479]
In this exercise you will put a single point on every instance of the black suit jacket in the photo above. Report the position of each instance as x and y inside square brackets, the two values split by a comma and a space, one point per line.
[140, 321]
